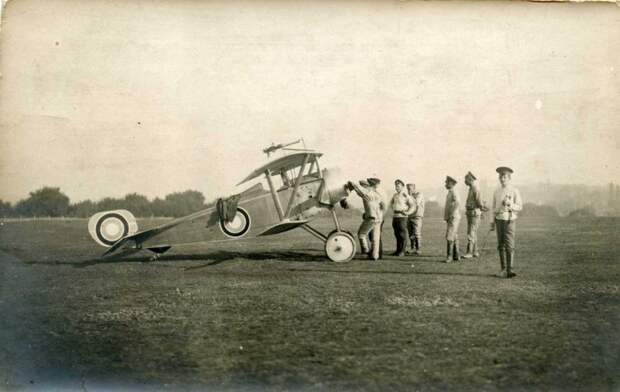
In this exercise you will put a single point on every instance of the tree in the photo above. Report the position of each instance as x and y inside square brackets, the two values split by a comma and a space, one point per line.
[110, 203]
[82, 209]
[139, 205]
[184, 203]
[159, 207]
[46, 201]
[5, 209]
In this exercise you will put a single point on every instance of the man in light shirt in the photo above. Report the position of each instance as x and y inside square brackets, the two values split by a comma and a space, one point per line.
[474, 207]
[402, 205]
[507, 203]
[373, 216]
[383, 204]
[452, 216]
[414, 222]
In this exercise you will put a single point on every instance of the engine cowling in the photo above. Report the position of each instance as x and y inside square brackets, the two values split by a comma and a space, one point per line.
[107, 227]
[336, 189]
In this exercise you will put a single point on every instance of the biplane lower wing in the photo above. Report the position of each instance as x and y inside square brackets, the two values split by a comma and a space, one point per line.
[282, 227]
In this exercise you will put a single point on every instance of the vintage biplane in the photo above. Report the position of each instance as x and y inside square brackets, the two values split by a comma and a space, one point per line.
[297, 190]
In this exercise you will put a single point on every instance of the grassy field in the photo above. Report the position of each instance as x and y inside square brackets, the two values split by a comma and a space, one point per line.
[274, 314]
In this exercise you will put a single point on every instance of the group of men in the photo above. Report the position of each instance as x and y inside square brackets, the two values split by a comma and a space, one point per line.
[408, 214]
[407, 205]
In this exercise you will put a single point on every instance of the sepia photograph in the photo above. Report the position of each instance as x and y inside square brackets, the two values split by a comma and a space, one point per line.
[349, 195]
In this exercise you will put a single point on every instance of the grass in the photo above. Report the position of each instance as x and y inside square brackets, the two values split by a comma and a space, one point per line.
[274, 314]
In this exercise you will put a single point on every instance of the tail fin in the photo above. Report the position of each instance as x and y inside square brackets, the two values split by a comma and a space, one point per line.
[107, 227]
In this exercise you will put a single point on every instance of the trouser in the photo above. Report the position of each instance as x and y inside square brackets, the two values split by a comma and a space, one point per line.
[414, 226]
[452, 228]
[381, 240]
[505, 230]
[373, 227]
[473, 222]
[399, 224]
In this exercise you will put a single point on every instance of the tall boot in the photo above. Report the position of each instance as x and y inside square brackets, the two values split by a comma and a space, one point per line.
[502, 260]
[449, 248]
[469, 253]
[398, 246]
[456, 256]
[509, 265]
[411, 246]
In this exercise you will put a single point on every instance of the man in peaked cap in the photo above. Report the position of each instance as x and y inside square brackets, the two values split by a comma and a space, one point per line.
[452, 216]
[383, 206]
[414, 223]
[373, 216]
[507, 203]
[403, 205]
[474, 207]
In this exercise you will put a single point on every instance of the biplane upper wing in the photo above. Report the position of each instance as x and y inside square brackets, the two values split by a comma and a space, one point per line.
[285, 163]
[144, 235]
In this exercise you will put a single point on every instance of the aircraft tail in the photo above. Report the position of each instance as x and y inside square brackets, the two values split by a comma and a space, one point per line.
[107, 227]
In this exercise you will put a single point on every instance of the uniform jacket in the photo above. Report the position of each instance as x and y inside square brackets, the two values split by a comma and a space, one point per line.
[402, 204]
[418, 199]
[453, 203]
[372, 202]
[474, 204]
[507, 203]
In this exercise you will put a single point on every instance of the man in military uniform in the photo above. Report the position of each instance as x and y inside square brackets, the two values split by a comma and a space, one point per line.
[402, 205]
[452, 216]
[474, 207]
[373, 216]
[507, 203]
[383, 209]
[414, 222]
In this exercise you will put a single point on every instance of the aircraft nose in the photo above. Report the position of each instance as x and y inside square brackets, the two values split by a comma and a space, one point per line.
[335, 183]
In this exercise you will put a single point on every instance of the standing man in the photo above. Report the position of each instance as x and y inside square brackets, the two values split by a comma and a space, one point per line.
[474, 207]
[383, 205]
[403, 205]
[506, 203]
[373, 216]
[414, 223]
[452, 216]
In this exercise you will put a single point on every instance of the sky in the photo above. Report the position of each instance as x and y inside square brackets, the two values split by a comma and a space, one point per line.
[105, 98]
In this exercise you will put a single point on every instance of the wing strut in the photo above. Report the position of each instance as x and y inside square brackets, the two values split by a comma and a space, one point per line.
[274, 195]
[297, 183]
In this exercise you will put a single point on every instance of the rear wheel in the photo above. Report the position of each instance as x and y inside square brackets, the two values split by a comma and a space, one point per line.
[340, 247]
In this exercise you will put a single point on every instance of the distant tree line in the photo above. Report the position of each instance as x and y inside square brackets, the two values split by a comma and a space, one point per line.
[51, 202]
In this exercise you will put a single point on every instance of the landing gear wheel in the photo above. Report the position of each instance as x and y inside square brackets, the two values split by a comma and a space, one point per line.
[340, 247]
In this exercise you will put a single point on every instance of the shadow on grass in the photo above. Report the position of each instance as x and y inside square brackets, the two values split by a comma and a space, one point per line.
[313, 255]
[215, 258]
[413, 271]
